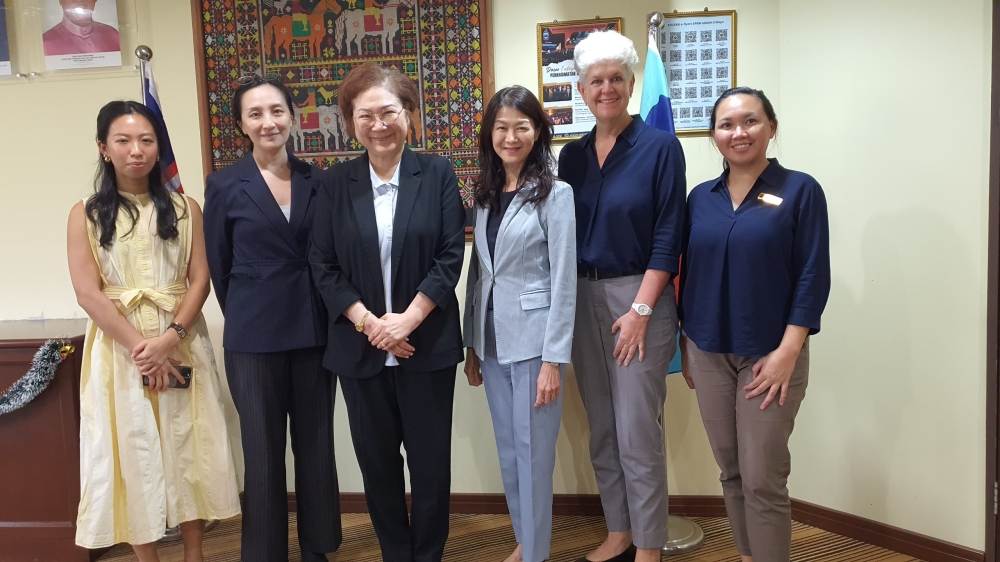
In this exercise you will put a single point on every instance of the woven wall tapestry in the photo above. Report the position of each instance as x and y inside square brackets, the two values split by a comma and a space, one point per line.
[311, 45]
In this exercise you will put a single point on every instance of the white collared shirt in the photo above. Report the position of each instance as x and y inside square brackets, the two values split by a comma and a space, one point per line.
[385, 213]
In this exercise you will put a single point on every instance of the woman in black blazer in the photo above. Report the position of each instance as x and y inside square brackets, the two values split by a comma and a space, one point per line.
[258, 214]
[386, 255]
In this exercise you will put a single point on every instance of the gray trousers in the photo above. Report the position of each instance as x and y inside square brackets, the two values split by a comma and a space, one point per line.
[750, 446]
[625, 405]
[526, 444]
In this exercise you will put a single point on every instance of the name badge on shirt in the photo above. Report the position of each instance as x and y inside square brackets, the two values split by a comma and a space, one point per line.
[770, 199]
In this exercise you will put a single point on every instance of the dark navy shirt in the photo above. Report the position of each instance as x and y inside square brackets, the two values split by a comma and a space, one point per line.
[629, 213]
[751, 272]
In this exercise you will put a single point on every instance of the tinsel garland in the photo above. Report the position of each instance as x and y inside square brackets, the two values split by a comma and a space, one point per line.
[37, 379]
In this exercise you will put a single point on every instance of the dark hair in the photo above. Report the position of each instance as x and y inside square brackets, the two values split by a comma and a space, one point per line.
[370, 75]
[103, 206]
[249, 82]
[537, 168]
[743, 90]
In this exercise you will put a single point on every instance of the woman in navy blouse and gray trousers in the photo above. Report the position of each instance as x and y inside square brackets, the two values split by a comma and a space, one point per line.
[755, 282]
[629, 185]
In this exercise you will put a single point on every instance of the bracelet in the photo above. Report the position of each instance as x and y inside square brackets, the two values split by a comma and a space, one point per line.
[360, 326]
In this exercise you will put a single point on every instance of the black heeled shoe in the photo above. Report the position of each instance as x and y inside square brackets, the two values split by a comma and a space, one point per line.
[627, 556]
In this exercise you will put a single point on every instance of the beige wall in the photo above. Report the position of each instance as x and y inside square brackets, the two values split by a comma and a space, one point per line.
[893, 428]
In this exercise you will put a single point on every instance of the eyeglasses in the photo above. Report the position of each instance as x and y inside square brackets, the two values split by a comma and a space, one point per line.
[387, 117]
[251, 79]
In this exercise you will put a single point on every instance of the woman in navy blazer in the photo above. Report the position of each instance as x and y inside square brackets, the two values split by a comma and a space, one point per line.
[386, 254]
[258, 214]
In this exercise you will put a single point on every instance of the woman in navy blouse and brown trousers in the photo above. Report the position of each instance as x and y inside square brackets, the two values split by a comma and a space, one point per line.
[755, 281]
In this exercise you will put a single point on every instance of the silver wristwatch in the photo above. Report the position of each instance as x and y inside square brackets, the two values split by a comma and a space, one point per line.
[642, 309]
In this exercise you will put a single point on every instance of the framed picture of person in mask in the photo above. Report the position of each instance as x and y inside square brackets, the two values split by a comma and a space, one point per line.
[80, 34]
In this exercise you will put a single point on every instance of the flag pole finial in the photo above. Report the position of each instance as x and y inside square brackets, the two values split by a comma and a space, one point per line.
[144, 53]
[655, 19]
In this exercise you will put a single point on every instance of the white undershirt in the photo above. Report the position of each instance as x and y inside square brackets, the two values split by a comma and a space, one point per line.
[385, 214]
[287, 211]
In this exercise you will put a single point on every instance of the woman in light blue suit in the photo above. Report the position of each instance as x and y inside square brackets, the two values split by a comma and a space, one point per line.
[520, 305]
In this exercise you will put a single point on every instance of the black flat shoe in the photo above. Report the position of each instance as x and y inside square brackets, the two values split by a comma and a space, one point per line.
[627, 556]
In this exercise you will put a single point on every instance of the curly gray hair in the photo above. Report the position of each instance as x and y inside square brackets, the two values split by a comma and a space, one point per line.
[604, 46]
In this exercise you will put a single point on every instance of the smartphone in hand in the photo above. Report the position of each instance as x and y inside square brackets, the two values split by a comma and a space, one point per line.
[185, 372]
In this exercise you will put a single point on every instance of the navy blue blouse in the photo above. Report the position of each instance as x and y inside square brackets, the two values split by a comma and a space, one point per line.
[630, 212]
[751, 272]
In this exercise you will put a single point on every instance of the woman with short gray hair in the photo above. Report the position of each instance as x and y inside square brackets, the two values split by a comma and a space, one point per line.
[629, 187]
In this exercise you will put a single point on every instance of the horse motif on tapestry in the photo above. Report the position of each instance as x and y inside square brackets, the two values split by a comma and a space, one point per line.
[354, 25]
[312, 45]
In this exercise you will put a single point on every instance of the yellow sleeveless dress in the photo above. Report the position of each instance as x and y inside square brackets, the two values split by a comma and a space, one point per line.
[149, 460]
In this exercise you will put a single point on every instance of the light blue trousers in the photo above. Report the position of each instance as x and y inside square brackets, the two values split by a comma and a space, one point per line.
[526, 444]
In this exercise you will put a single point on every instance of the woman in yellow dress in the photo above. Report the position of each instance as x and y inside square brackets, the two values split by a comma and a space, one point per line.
[151, 456]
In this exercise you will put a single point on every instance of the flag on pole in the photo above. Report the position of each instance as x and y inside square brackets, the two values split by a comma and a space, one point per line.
[655, 108]
[168, 165]
[656, 111]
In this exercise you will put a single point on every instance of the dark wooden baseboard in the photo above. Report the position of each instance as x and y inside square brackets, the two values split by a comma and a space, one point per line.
[851, 526]
[562, 504]
[885, 536]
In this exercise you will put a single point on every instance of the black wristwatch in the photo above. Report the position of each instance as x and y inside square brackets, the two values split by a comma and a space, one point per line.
[179, 329]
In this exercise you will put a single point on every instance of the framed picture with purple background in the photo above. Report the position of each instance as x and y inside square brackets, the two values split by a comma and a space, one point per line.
[4, 43]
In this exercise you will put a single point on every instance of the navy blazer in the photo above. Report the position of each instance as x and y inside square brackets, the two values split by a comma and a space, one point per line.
[428, 244]
[259, 259]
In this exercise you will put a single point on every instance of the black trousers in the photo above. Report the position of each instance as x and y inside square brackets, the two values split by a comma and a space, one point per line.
[412, 409]
[268, 390]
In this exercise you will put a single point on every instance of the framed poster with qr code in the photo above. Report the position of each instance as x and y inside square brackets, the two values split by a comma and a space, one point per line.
[557, 77]
[699, 54]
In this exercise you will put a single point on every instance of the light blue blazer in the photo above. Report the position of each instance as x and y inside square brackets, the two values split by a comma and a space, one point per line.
[533, 280]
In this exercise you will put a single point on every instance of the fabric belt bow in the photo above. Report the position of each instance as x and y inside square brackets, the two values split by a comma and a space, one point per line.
[165, 298]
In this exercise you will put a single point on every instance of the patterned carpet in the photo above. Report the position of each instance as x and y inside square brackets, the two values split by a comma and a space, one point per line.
[490, 538]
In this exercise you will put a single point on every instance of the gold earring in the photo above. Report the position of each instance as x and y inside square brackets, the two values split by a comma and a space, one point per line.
[107, 158]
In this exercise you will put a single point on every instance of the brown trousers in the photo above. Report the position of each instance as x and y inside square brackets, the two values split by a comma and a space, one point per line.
[750, 446]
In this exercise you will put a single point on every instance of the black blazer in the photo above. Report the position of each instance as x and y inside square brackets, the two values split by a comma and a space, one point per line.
[428, 244]
[259, 260]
